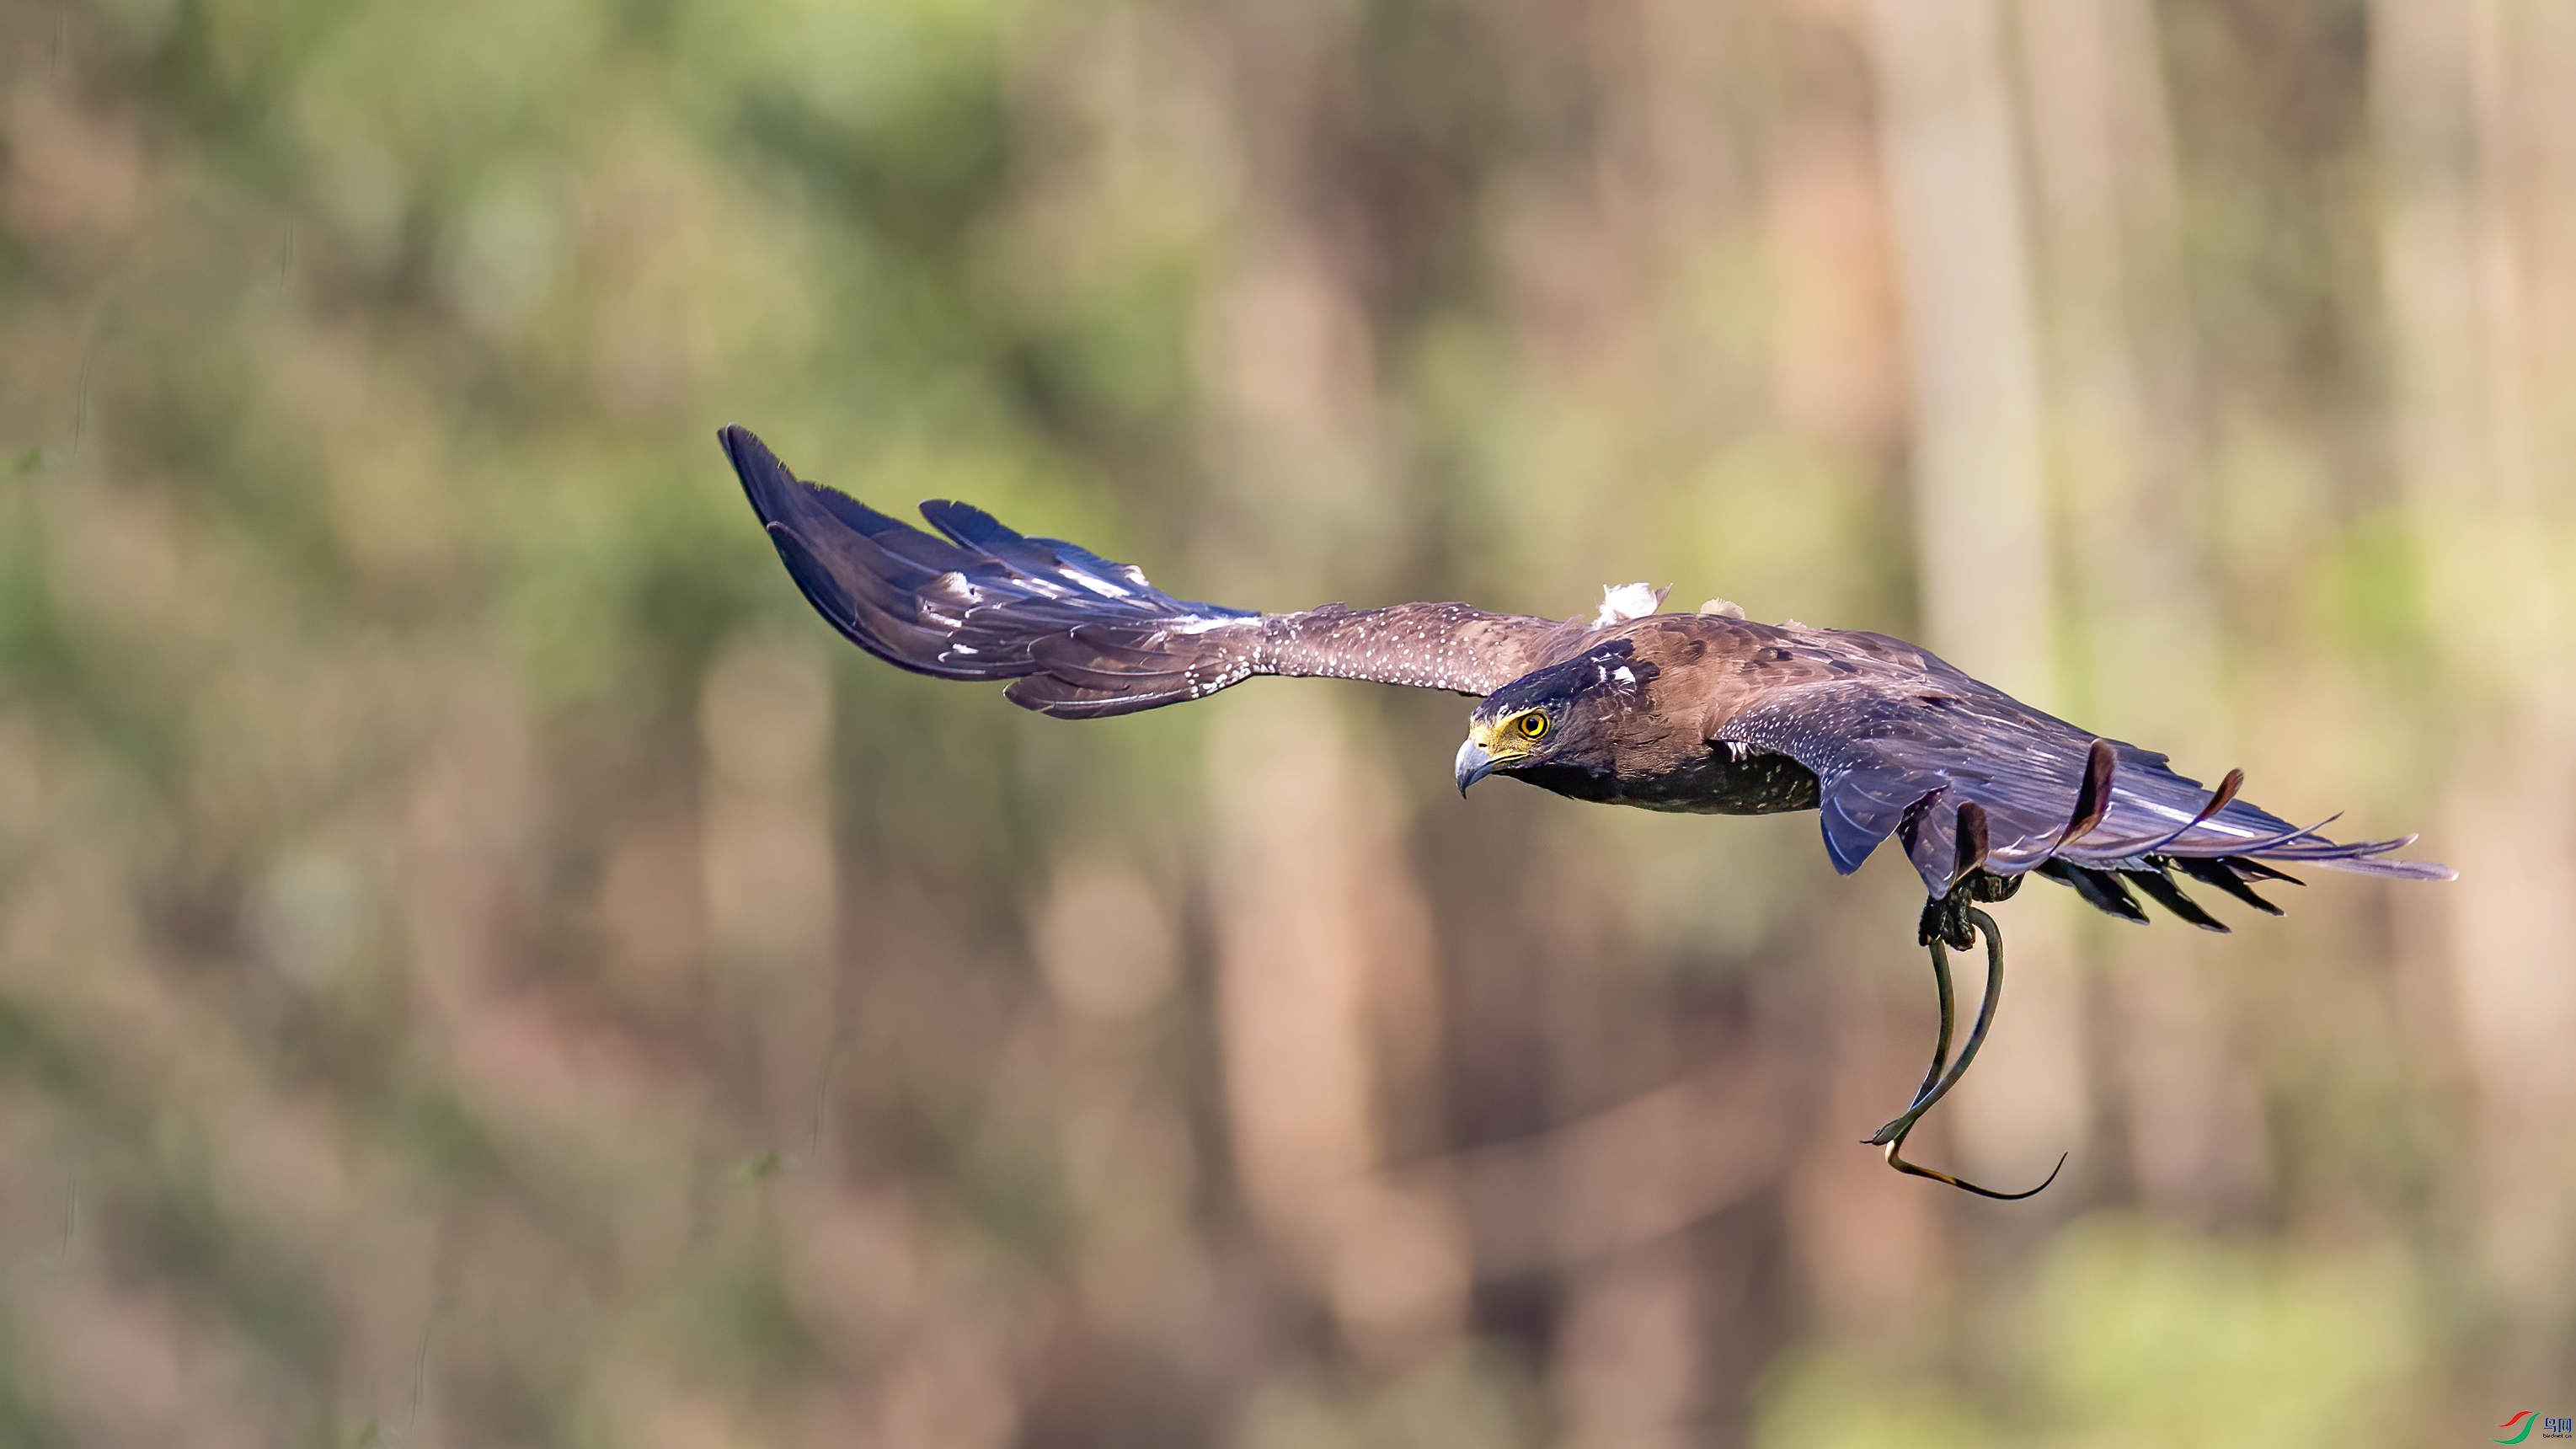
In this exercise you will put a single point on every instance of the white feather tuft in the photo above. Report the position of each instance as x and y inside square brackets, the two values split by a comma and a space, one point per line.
[1628, 601]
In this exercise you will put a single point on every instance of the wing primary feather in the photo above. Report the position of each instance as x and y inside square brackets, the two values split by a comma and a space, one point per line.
[2249, 868]
[1930, 837]
[821, 590]
[2221, 874]
[2274, 844]
[2100, 889]
[1972, 840]
[2093, 795]
[2218, 800]
[969, 526]
[2160, 888]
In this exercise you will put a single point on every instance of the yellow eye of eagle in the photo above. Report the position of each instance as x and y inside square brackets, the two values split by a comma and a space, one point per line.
[1532, 725]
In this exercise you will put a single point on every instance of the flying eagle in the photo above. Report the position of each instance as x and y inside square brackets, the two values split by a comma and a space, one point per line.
[1707, 712]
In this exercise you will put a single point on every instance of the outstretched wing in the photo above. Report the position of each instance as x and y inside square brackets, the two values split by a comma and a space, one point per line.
[1969, 778]
[1079, 636]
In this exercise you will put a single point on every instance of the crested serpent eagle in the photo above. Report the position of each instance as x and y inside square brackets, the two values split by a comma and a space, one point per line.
[1707, 712]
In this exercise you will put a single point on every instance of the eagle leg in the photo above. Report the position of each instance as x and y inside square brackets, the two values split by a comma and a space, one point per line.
[1945, 918]
[1936, 1082]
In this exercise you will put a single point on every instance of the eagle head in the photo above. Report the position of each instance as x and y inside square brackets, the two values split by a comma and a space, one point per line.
[1555, 727]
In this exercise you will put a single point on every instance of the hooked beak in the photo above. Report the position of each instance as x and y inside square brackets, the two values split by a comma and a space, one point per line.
[1475, 762]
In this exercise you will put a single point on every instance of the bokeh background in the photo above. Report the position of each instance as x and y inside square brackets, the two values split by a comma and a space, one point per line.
[480, 964]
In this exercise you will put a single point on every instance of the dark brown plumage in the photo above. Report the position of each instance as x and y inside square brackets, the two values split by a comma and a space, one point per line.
[1704, 712]
[1698, 712]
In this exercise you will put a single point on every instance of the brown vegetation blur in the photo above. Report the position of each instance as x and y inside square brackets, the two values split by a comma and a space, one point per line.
[480, 964]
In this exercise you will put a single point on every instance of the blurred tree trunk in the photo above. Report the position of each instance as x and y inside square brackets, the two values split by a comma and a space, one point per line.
[1324, 955]
[1980, 490]
[770, 876]
[2143, 642]
[2476, 104]
[1327, 992]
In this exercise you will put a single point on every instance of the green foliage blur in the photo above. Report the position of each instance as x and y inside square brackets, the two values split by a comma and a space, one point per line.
[480, 964]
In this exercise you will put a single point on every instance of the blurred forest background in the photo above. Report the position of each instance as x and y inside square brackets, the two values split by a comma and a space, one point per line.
[481, 964]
